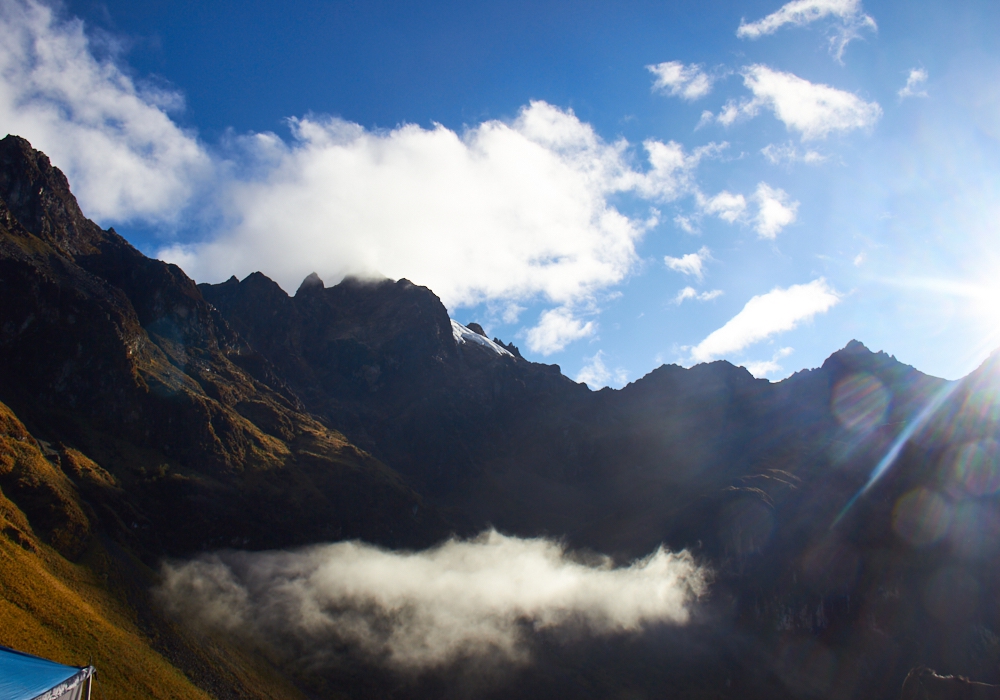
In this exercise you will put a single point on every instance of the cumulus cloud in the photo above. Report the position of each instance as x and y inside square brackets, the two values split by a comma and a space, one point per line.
[690, 264]
[596, 374]
[914, 84]
[812, 109]
[775, 210]
[502, 212]
[765, 368]
[727, 206]
[556, 329]
[689, 82]
[765, 315]
[419, 610]
[788, 153]
[848, 14]
[115, 140]
[692, 293]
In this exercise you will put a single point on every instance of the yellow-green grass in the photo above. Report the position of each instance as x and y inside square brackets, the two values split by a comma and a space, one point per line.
[87, 611]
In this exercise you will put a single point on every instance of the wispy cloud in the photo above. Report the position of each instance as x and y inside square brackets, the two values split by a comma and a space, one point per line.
[775, 210]
[778, 311]
[116, 141]
[556, 329]
[798, 13]
[689, 82]
[812, 109]
[416, 610]
[788, 153]
[596, 374]
[690, 264]
[766, 368]
[692, 293]
[915, 82]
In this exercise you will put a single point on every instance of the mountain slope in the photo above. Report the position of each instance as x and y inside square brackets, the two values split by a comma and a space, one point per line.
[156, 430]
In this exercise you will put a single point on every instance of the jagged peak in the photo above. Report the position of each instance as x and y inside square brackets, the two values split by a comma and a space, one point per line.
[38, 195]
[311, 283]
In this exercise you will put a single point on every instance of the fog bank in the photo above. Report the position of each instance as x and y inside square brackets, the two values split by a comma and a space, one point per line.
[416, 610]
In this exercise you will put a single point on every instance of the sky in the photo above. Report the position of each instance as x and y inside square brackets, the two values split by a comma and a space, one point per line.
[608, 185]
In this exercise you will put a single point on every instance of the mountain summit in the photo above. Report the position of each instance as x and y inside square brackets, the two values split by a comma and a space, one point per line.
[144, 416]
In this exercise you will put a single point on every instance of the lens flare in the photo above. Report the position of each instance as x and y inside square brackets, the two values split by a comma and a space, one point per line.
[921, 517]
[977, 467]
[952, 593]
[975, 529]
[860, 401]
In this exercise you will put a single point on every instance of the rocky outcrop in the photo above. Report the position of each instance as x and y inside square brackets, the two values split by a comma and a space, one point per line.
[119, 357]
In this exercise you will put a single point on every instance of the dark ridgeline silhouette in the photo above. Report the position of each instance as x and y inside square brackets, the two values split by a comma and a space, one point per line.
[235, 415]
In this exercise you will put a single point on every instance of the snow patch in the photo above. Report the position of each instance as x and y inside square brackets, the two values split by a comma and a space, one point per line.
[466, 335]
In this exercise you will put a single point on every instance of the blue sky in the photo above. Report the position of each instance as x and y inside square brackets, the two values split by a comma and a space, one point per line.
[611, 186]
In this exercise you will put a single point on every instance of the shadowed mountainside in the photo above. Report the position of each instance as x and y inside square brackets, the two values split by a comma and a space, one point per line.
[145, 416]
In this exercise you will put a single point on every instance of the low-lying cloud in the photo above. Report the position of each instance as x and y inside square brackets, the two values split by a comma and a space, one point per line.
[421, 610]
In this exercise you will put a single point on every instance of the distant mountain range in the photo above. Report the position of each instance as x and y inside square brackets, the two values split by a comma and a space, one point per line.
[144, 416]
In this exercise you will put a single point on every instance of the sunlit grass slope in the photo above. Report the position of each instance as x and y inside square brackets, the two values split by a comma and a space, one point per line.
[92, 607]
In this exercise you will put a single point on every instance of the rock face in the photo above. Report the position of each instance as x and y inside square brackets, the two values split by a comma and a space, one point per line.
[160, 417]
[120, 357]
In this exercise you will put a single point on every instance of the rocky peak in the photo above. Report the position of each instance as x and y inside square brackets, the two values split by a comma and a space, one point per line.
[312, 283]
[38, 195]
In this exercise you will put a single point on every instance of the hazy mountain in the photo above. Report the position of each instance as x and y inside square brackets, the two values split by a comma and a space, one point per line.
[144, 416]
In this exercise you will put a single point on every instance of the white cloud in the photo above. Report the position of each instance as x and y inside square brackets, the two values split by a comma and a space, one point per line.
[685, 223]
[727, 206]
[814, 110]
[764, 368]
[690, 264]
[788, 153]
[775, 210]
[596, 375]
[914, 84]
[556, 329]
[674, 78]
[692, 293]
[765, 315]
[416, 610]
[852, 20]
[116, 142]
[671, 172]
[504, 211]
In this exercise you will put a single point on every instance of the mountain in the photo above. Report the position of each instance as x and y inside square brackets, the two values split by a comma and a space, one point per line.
[146, 417]
[161, 431]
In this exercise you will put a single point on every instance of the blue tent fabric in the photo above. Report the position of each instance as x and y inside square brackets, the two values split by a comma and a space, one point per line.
[27, 677]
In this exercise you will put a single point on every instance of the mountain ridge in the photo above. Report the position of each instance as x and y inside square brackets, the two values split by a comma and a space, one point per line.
[151, 417]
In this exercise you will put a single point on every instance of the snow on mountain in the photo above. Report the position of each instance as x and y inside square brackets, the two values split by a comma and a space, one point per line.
[466, 335]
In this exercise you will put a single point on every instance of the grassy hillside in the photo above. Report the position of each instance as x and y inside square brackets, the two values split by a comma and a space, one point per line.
[70, 594]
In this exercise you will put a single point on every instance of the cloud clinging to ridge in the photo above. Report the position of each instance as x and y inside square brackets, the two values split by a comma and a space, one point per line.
[418, 610]
[765, 315]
